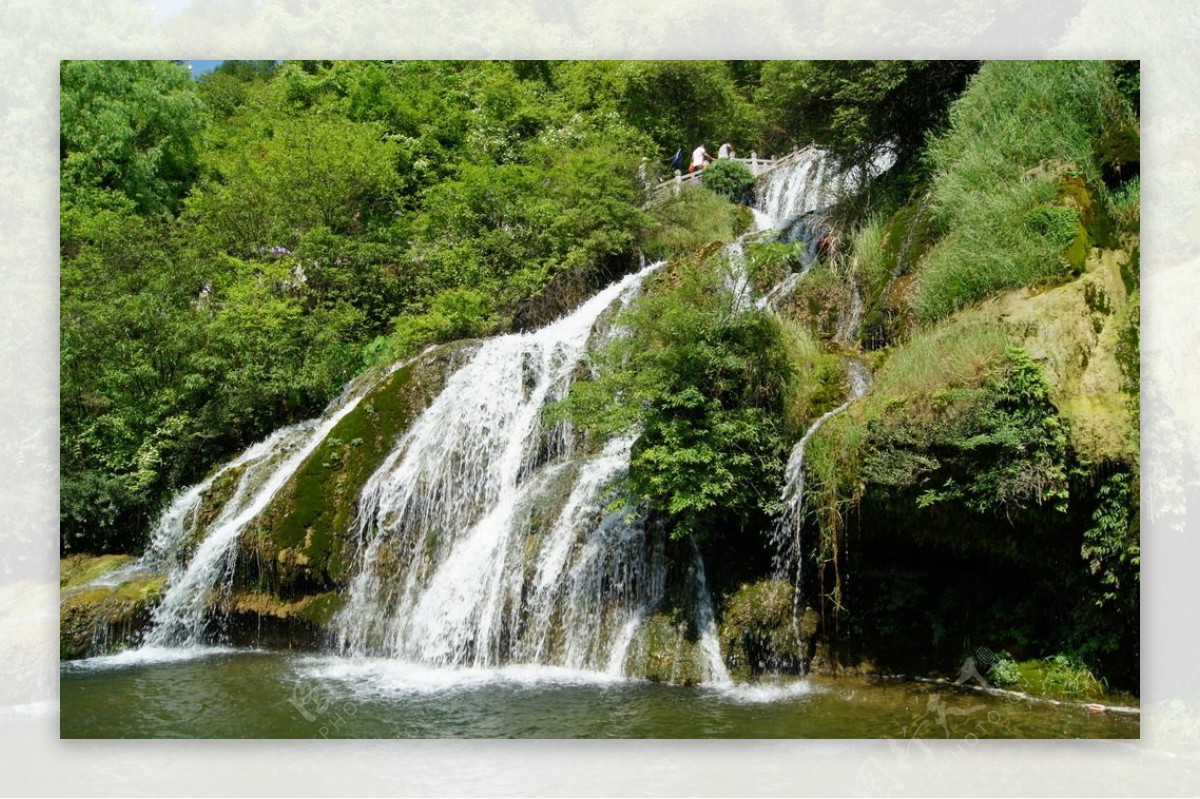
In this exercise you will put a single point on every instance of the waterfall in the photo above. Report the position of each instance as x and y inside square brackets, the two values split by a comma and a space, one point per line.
[706, 624]
[805, 184]
[787, 535]
[737, 277]
[452, 569]
[260, 471]
[809, 180]
[851, 319]
[483, 539]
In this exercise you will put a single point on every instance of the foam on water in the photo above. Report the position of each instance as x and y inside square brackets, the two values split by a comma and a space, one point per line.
[763, 692]
[151, 655]
[392, 677]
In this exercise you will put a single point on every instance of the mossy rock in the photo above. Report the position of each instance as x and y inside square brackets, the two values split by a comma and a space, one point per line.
[667, 649]
[1078, 333]
[670, 276]
[909, 235]
[256, 618]
[98, 619]
[79, 570]
[759, 632]
[301, 543]
[214, 499]
[816, 303]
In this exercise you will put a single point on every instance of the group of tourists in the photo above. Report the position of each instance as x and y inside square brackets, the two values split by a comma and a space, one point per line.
[701, 158]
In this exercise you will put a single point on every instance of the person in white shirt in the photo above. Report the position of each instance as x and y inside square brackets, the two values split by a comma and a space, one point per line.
[699, 157]
[726, 150]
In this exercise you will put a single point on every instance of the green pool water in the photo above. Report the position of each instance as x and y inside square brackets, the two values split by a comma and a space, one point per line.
[259, 694]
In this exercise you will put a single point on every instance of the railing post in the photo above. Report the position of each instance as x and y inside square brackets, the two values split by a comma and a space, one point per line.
[678, 182]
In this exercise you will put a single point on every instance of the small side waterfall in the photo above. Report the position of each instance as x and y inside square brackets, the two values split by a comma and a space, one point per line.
[260, 471]
[788, 533]
[706, 625]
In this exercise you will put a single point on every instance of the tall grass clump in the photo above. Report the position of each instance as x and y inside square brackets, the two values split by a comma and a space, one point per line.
[1126, 205]
[1018, 128]
[939, 360]
[818, 377]
[872, 266]
[682, 224]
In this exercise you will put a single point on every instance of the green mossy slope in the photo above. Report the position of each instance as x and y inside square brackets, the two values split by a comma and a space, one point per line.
[301, 543]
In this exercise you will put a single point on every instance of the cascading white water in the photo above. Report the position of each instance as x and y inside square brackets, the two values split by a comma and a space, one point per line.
[737, 278]
[802, 185]
[179, 619]
[787, 535]
[482, 539]
[450, 569]
[851, 318]
[809, 180]
[706, 625]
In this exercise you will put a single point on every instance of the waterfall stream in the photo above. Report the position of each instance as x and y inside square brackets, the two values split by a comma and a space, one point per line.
[483, 539]
[260, 471]
[788, 533]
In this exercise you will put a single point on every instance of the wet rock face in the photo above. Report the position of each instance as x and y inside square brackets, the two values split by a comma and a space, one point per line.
[300, 545]
[263, 620]
[100, 611]
[291, 563]
[667, 649]
[760, 633]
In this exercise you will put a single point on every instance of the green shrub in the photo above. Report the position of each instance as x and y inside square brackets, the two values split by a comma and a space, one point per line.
[769, 262]
[1060, 675]
[704, 381]
[452, 314]
[683, 224]
[1004, 671]
[728, 178]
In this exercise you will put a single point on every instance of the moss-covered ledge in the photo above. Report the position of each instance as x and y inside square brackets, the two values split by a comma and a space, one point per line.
[300, 545]
[100, 610]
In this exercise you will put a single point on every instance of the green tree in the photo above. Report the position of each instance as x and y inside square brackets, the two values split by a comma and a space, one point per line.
[297, 175]
[703, 382]
[130, 126]
[859, 109]
[677, 103]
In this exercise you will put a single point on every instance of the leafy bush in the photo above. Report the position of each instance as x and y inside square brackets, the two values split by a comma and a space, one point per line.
[683, 224]
[1111, 547]
[704, 383]
[1017, 431]
[452, 314]
[1004, 671]
[769, 262]
[728, 178]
